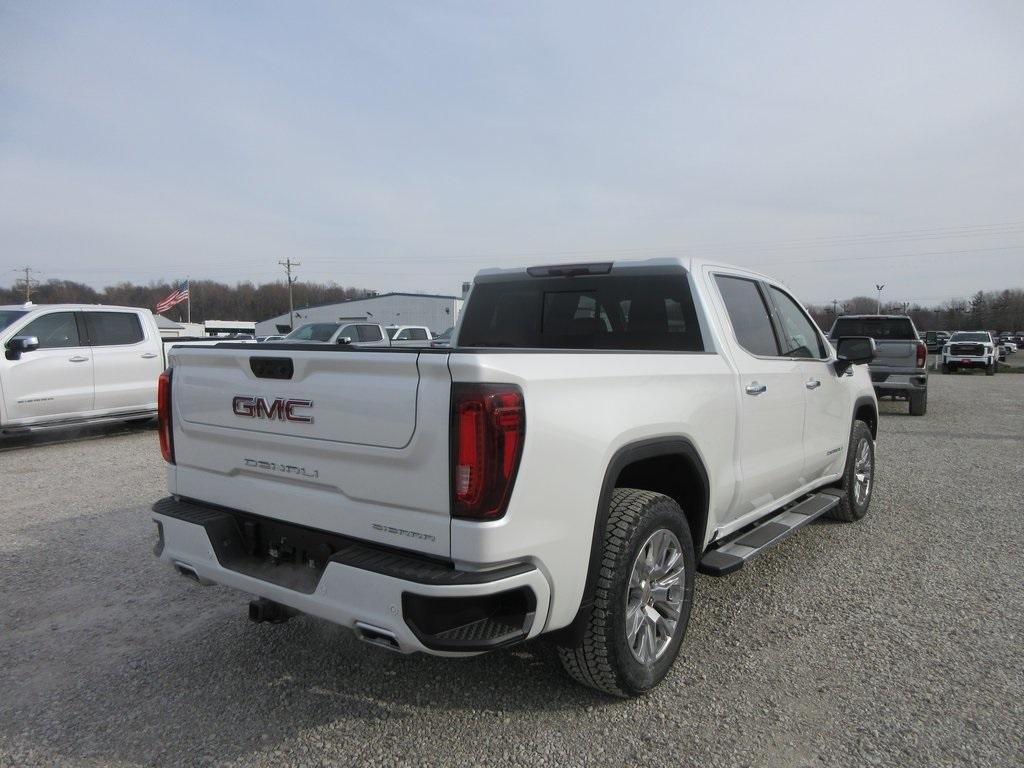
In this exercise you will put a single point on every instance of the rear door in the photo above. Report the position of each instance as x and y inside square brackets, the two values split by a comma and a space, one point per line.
[52, 382]
[344, 440]
[772, 395]
[126, 360]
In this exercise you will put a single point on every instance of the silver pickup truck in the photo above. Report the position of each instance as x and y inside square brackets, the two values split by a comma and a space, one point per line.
[900, 367]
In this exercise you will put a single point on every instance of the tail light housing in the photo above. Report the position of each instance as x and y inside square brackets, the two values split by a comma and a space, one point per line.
[922, 354]
[163, 416]
[487, 433]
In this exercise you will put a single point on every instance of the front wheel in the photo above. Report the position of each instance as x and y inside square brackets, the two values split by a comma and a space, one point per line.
[643, 598]
[859, 476]
[991, 369]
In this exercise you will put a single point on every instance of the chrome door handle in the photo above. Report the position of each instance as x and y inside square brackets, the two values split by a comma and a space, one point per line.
[753, 388]
[77, 359]
[149, 355]
[812, 384]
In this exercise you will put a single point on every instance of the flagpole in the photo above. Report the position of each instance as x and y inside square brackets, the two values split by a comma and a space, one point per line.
[188, 287]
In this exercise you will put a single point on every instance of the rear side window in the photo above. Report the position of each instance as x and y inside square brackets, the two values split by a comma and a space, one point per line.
[897, 328]
[57, 329]
[113, 328]
[612, 312]
[417, 334]
[369, 333]
[748, 315]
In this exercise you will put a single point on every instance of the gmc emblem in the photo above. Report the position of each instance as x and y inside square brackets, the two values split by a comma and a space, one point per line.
[279, 408]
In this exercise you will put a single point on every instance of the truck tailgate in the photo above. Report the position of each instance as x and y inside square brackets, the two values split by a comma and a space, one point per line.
[895, 354]
[353, 442]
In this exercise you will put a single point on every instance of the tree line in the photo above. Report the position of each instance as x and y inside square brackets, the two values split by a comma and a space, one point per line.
[210, 300]
[984, 311]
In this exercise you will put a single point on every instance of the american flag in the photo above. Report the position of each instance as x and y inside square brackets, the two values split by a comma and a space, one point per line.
[176, 296]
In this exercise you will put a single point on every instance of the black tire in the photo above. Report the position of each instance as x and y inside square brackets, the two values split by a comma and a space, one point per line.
[946, 368]
[603, 658]
[849, 508]
[919, 403]
[991, 369]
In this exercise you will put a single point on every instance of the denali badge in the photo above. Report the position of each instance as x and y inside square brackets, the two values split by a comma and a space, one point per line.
[403, 532]
[279, 408]
[287, 469]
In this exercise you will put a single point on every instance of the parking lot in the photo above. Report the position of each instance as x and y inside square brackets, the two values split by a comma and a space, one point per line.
[898, 640]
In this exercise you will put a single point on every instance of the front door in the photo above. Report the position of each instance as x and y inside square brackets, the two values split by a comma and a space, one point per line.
[53, 382]
[827, 416]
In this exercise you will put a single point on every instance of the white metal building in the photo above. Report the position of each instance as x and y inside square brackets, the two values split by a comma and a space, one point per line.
[438, 313]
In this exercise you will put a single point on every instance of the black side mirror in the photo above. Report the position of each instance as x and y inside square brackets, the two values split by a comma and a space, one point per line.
[853, 350]
[19, 345]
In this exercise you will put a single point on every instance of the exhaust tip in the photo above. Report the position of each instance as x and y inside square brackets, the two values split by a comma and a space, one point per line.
[385, 638]
[187, 570]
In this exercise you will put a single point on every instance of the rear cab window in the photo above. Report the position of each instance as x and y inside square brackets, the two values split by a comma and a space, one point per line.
[616, 311]
[886, 328]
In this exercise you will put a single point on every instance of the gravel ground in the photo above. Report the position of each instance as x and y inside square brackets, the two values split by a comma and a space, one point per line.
[898, 640]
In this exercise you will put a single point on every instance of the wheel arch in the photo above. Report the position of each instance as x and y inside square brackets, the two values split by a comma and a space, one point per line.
[866, 410]
[667, 465]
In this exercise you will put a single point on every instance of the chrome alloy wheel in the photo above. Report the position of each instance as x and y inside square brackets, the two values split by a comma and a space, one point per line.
[654, 598]
[863, 469]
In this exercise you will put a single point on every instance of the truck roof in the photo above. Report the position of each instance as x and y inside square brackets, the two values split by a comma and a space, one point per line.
[69, 307]
[688, 263]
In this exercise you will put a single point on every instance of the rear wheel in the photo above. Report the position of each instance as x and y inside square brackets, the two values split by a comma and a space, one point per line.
[643, 598]
[918, 403]
[858, 477]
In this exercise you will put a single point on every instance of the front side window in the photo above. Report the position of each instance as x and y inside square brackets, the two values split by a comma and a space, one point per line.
[748, 314]
[799, 336]
[113, 328]
[58, 329]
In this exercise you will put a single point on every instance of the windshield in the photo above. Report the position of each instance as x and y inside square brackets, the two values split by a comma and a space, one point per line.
[899, 328]
[970, 336]
[314, 332]
[8, 316]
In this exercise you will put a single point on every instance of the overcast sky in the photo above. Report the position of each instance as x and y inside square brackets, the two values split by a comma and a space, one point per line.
[402, 146]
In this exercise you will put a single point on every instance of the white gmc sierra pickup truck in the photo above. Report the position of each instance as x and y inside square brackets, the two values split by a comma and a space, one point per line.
[596, 434]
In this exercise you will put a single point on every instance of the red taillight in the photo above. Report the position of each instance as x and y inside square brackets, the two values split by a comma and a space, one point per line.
[922, 354]
[488, 427]
[163, 416]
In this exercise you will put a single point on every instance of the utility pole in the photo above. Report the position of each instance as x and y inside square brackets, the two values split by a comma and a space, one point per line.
[878, 306]
[29, 281]
[288, 264]
[835, 303]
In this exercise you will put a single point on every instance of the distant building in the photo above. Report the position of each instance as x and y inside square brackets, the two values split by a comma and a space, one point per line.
[172, 329]
[436, 312]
